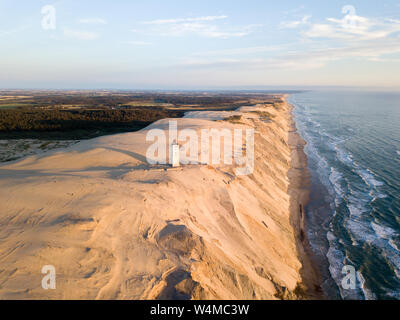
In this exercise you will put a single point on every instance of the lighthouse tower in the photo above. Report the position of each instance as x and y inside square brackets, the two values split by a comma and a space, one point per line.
[174, 154]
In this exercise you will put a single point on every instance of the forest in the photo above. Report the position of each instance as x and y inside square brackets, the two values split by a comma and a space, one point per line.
[87, 114]
[77, 124]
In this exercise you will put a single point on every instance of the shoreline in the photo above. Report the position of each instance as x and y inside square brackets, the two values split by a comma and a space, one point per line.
[300, 190]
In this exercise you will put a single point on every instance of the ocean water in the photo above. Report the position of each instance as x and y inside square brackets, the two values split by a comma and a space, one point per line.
[353, 218]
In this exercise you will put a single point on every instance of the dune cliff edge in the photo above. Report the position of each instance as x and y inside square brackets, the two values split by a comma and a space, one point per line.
[115, 227]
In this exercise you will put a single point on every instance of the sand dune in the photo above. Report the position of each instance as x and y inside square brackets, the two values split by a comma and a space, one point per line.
[115, 227]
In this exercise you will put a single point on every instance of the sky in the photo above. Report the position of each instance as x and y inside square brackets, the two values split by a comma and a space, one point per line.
[121, 44]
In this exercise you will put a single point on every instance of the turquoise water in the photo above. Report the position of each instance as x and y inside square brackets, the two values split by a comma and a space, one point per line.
[353, 149]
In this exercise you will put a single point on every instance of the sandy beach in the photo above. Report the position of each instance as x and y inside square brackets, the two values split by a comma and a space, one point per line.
[116, 227]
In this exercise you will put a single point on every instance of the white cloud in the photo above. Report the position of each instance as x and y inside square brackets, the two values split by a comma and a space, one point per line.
[304, 59]
[295, 24]
[180, 20]
[353, 28]
[203, 30]
[92, 21]
[200, 26]
[139, 43]
[352, 37]
[294, 11]
[80, 35]
[372, 51]
[240, 51]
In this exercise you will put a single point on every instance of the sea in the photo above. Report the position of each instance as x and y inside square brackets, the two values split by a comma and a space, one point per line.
[353, 217]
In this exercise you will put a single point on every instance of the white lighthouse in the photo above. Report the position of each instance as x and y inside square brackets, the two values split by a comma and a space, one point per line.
[174, 155]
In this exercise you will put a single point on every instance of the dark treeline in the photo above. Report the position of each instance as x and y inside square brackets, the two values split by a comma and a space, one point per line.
[86, 123]
[88, 114]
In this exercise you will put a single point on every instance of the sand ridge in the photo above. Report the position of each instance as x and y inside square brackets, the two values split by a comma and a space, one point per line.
[115, 227]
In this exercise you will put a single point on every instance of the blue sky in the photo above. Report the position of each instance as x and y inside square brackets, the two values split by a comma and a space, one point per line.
[199, 44]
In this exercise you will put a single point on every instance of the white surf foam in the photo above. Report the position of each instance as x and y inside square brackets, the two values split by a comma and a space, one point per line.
[343, 156]
[369, 178]
[368, 294]
[383, 232]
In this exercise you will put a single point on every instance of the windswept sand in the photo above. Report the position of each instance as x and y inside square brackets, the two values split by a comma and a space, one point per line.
[115, 227]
